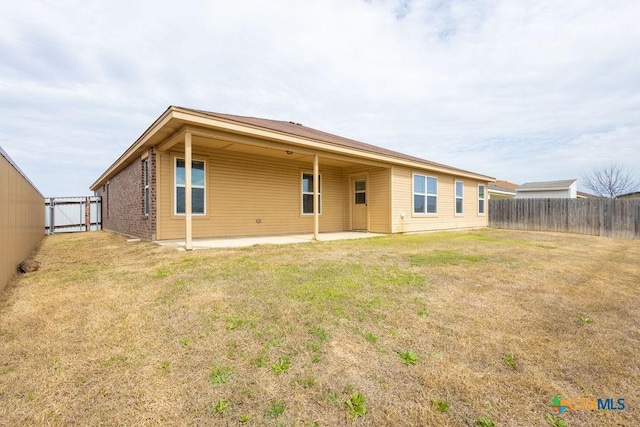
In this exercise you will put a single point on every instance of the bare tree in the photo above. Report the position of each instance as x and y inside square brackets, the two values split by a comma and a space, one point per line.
[611, 181]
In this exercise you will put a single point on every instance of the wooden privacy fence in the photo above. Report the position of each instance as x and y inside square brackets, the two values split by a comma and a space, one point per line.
[21, 219]
[599, 217]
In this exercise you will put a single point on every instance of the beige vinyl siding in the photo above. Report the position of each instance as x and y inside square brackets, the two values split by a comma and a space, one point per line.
[379, 200]
[242, 189]
[21, 219]
[402, 179]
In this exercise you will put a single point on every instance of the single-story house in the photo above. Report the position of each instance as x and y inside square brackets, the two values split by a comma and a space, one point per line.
[564, 189]
[502, 190]
[197, 174]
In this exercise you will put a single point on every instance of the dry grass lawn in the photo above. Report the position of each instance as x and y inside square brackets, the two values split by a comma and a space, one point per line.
[443, 329]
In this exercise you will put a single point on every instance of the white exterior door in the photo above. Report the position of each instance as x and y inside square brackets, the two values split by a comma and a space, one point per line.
[359, 204]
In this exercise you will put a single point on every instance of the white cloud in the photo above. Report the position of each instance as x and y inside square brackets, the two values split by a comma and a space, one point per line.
[521, 90]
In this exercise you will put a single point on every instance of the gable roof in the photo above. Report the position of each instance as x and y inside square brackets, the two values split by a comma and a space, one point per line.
[278, 130]
[546, 185]
[298, 129]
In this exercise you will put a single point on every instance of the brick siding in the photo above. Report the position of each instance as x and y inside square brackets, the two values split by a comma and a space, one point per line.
[123, 201]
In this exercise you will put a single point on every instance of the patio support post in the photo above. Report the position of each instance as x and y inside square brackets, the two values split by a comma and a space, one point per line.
[316, 206]
[187, 190]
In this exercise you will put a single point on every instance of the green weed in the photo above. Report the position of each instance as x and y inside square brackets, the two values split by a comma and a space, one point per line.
[233, 323]
[356, 404]
[221, 406]
[244, 418]
[586, 320]
[485, 422]
[407, 357]
[371, 337]
[555, 421]
[276, 409]
[440, 405]
[314, 346]
[283, 365]
[185, 342]
[220, 375]
[510, 360]
[319, 333]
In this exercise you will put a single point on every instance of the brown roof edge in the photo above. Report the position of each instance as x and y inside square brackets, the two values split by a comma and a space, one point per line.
[299, 130]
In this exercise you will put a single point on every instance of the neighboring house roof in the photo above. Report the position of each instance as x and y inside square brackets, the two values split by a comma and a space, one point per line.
[633, 195]
[583, 195]
[506, 184]
[546, 185]
[175, 118]
[500, 189]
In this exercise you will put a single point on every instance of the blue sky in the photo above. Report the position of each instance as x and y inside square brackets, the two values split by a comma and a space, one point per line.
[519, 90]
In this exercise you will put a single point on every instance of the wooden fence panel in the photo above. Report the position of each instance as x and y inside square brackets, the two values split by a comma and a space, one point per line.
[619, 218]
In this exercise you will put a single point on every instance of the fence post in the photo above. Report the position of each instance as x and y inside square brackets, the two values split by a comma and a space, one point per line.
[87, 223]
[52, 216]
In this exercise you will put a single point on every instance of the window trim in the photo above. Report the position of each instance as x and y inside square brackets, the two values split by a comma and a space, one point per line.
[456, 197]
[483, 199]
[302, 193]
[426, 195]
[175, 186]
[146, 195]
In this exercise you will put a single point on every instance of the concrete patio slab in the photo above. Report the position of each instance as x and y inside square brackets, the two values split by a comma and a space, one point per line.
[240, 242]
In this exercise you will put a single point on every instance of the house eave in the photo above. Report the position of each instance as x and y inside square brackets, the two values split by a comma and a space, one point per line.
[524, 190]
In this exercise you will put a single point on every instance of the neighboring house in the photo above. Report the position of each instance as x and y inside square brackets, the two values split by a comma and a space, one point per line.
[502, 190]
[634, 195]
[565, 189]
[583, 195]
[201, 174]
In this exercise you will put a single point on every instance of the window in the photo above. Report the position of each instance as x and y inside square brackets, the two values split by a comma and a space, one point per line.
[459, 199]
[197, 187]
[307, 194]
[145, 185]
[425, 194]
[481, 199]
[361, 192]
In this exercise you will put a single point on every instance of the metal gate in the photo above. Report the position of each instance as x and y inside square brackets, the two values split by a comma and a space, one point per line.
[72, 214]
